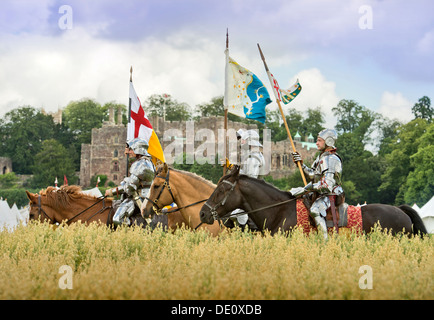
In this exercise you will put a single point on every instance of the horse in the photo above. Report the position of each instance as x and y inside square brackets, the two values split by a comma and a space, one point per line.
[186, 189]
[69, 203]
[272, 209]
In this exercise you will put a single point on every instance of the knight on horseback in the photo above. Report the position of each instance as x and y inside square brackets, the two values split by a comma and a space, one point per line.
[324, 176]
[135, 187]
[252, 164]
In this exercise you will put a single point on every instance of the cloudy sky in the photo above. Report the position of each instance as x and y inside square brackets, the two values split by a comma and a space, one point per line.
[378, 53]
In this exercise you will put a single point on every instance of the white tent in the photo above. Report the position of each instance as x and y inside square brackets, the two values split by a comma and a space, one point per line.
[24, 213]
[93, 192]
[8, 219]
[427, 215]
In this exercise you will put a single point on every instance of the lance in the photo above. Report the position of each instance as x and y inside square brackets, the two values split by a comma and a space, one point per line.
[225, 105]
[129, 115]
[281, 112]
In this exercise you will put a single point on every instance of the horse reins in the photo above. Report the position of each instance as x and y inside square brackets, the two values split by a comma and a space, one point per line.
[159, 210]
[222, 203]
[166, 184]
[40, 209]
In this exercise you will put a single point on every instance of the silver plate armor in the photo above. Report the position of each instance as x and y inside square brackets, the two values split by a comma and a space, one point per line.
[252, 166]
[326, 177]
[135, 187]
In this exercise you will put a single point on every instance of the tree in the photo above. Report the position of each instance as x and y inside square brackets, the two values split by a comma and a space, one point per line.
[398, 164]
[213, 108]
[419, 186]
[163, 105]
[81, 117]
[314, 121]
[51, 162]
[423, 110]
[22, 131]
[354, 118]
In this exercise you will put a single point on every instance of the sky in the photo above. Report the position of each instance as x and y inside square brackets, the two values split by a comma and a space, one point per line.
[378, 53]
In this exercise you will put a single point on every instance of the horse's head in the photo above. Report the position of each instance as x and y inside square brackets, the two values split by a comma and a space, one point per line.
[38, 210]
[160, 193]
[225, 198]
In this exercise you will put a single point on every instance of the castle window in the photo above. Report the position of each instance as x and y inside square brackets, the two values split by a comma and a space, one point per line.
[116, 166]
[115, 153]
[115, 177]
[4, 170]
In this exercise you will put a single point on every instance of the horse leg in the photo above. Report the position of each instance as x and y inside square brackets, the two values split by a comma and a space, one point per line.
[389, 217]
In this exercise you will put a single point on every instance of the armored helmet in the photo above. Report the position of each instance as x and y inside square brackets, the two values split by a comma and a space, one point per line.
[330, 136]
[139, 146]
[250, 136]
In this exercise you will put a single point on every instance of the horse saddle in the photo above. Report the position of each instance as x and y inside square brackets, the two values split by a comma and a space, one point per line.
[341, 211]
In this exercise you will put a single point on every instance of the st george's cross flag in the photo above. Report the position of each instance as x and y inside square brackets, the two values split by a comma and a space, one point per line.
[286, 96]
[245, 95]
[140, 127]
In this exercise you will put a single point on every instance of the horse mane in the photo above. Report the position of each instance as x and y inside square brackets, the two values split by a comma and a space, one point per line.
[61, 197]
[265, 184]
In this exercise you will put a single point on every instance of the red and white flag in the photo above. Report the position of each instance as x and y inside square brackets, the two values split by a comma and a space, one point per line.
[139, 126]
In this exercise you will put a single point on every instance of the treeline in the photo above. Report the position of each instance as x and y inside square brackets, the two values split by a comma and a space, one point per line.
[398, 171]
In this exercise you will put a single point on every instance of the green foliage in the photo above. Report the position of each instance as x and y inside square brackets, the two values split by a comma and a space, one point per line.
[94, 179]
[211, 172]
[8, 180]
[17, 196]
[21, 134]
[398, 163]
[423, 110]
[82, 116]
[51, 162]
[419, 186]
[160, 104]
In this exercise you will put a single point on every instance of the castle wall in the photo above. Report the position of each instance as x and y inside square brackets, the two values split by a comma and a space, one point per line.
[100, 157]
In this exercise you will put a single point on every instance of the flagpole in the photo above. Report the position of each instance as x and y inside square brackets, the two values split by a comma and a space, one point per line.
[283, 115]
[226, 109]
[129, 115]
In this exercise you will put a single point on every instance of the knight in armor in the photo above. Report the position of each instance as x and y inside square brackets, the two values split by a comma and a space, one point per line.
[252, 164]
[324, 176]
[135, 187]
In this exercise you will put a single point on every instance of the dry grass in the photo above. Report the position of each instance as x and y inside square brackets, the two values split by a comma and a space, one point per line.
[131, 263]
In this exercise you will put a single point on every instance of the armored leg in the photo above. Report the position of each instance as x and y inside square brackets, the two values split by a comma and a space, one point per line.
[123, 213]
[318, 211]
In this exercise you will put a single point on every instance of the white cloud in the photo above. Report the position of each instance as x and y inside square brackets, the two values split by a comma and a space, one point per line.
[316, 91]
[396, 106]
[50, 72]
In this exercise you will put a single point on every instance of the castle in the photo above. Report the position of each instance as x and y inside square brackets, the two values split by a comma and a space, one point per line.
[5, 165]
[105, 154]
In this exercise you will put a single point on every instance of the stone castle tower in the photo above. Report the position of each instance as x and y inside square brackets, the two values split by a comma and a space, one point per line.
[105, 154]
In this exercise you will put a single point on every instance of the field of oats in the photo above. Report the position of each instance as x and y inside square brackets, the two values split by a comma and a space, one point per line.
[132, 263]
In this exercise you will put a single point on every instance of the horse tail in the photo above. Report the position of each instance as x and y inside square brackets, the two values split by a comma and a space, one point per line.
[418, 225]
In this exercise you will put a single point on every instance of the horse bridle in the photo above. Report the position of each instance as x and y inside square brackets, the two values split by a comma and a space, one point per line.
[213, 210]
[41, 210]
[155, 206]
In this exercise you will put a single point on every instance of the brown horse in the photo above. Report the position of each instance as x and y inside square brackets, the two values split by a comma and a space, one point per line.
[70, 203]
[188, 190]
[274, 210]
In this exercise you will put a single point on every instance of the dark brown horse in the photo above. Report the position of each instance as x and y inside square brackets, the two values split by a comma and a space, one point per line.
[275, 210]
[71, 204]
